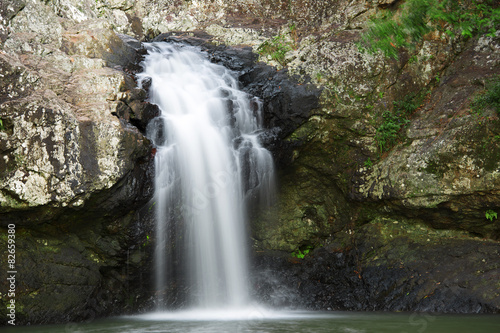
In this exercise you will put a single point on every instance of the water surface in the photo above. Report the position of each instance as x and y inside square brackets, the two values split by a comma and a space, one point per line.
[256, 321]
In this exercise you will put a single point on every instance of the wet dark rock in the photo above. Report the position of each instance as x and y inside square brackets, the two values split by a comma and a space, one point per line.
[287, 102]
[237, 58]
[132, 105]
[131, 42]
[416, 281]
[143, 113]
[133, 108]
[132, 57]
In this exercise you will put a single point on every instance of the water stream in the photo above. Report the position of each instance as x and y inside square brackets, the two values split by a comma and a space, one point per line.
[209, 166]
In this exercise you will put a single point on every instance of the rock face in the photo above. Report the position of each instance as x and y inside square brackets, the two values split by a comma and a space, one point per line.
[381, 229]
[441, 175]
[72, 174]
[386, 265]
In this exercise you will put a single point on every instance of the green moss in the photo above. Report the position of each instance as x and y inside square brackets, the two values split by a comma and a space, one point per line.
[49, 245]
[295, 221]
[434, 167]
[51, 249]
[490, 161]
[485, 149]
[305, 132]
[13, 203]
[389, 229]
[387, 241]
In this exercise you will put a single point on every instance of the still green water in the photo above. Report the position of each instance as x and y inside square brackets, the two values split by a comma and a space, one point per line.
[293, 322]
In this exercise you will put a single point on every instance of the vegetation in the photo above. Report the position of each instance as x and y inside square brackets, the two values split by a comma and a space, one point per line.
[490, 214]
[368, 163]
[389, 32]
[279, 45]
[302, 253]
[388, 132]
[1, 125]
[489, 98]
[146, 243]
[299, 254]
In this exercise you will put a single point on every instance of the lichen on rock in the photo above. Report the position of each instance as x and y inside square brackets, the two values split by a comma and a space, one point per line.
[69, 167]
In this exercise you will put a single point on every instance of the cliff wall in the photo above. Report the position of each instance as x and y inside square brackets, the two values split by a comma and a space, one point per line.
[403, 227]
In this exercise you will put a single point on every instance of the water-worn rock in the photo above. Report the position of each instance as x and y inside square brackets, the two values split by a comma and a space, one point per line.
[387, 265]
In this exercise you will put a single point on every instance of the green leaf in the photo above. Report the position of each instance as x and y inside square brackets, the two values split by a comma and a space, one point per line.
[490, 214]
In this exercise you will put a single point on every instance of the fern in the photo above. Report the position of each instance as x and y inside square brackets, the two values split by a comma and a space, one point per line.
[388, 132]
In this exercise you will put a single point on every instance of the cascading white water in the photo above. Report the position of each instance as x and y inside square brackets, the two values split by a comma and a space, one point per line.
[209, 162]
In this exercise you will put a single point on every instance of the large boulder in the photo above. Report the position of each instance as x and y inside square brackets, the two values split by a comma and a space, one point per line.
[73, 175]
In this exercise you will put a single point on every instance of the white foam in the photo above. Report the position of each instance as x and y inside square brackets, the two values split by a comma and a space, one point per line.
[251, 313]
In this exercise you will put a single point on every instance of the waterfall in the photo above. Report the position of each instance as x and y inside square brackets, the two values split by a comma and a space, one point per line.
[209, 166]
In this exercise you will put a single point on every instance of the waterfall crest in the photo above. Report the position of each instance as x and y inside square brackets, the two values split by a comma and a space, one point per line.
[209, 165]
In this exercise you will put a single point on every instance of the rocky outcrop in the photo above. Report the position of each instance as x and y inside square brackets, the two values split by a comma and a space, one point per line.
[73, 175]
[340, 145]
[387, 265]
[448, 168]
[335, 180]
[441, 175]
[383, 229]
